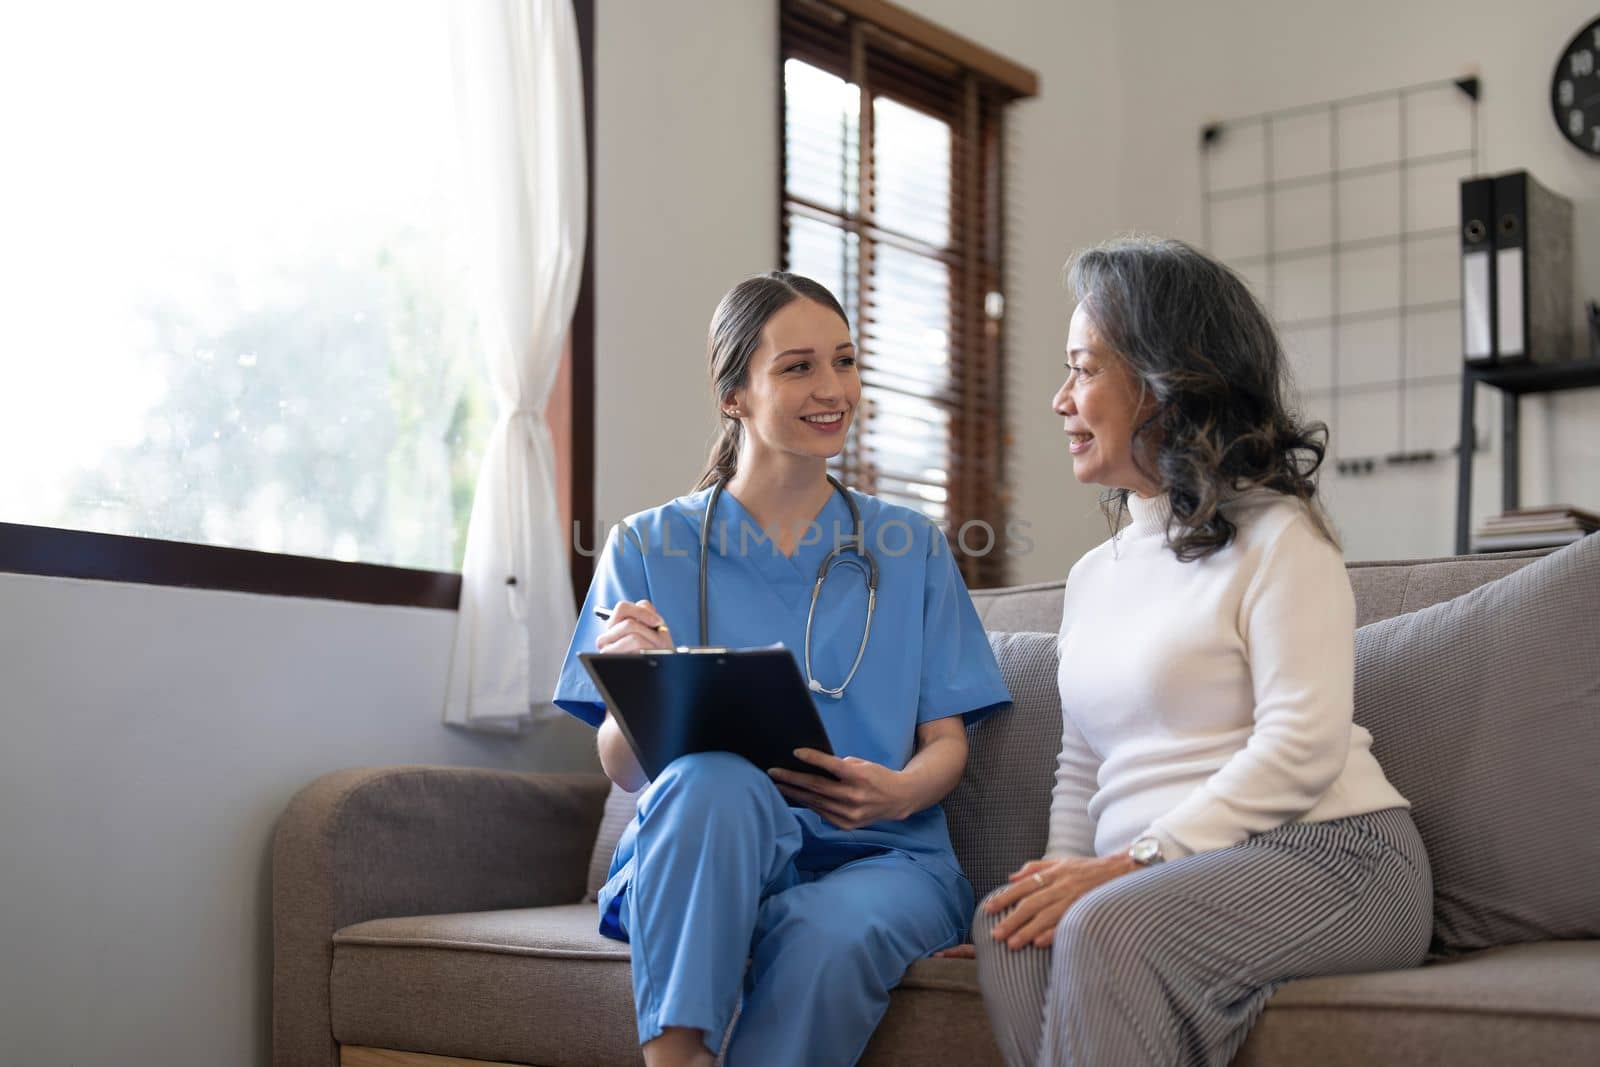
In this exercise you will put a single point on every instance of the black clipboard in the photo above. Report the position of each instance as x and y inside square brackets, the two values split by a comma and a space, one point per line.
[752, 703]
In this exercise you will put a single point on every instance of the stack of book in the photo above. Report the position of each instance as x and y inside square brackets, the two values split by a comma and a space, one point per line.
[1544, 527]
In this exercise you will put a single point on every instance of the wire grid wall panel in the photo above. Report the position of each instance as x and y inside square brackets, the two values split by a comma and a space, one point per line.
[1343, 218]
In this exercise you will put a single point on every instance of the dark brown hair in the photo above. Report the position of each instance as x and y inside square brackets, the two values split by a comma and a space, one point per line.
[735, 335]
[1197, 340]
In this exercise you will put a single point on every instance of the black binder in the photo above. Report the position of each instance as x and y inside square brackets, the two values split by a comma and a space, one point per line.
[1477, 270]
[1533, 276]
[752, 703]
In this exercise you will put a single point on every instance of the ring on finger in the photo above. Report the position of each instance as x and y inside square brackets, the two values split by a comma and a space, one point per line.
[1038, 879]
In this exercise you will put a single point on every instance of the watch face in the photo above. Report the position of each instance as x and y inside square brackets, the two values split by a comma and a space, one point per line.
[1575, 90]
[1145, 849]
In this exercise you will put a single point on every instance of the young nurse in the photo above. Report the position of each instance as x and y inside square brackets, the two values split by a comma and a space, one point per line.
[793, 900]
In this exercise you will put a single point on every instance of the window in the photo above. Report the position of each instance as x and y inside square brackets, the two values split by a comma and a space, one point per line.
[242, 319]
[892, 198]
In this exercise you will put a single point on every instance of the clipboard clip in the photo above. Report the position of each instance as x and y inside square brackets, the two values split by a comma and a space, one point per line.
[708, 650]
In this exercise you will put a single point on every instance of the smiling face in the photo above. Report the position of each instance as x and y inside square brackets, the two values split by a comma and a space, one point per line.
[802, 388]
[1102, 402]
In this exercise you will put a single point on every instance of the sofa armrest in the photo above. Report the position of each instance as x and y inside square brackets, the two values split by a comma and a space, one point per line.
[378, 842]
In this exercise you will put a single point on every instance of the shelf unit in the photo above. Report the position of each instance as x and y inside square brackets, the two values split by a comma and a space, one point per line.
[1514, 381]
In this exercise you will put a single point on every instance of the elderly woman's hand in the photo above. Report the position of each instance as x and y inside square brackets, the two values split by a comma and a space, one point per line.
[1042, 891]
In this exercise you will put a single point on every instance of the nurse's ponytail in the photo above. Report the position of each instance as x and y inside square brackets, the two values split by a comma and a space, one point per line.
[724, 459]
[735, 335]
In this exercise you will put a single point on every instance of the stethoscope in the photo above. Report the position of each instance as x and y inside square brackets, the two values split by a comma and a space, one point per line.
[869, 570]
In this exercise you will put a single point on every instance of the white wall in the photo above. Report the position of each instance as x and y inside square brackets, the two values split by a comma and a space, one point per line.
[686, 156]
[687, 203]
[1062, 191]
[151, 738]
[1184, 64]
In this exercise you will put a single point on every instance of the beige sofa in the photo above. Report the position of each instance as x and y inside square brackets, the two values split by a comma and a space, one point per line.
[425, 912]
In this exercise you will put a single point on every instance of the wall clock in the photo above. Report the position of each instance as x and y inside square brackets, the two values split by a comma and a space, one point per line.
[1575, 90]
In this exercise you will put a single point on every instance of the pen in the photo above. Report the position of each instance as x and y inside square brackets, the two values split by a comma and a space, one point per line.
[605, 613]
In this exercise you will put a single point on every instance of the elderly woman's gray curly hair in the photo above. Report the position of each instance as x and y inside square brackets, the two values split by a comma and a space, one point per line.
[1196, 339]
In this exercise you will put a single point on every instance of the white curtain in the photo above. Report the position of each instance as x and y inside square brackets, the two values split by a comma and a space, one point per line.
[519, 98]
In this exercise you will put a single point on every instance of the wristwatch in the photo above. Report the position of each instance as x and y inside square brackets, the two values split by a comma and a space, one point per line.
[1146, 851]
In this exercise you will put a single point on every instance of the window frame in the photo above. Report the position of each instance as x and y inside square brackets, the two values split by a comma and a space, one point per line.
[55, 552]
[834, 35]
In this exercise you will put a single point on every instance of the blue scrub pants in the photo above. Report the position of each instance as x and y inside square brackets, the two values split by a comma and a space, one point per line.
[724, 873]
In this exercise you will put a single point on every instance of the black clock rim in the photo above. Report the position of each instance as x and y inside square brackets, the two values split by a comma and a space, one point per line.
[1555, 84]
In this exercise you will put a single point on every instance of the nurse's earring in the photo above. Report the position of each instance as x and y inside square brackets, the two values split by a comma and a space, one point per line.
[733, 413]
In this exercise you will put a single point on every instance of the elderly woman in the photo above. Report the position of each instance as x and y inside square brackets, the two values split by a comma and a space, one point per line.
[1219, 824]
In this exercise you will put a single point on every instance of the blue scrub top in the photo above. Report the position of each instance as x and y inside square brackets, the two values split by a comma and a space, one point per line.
[927, 657]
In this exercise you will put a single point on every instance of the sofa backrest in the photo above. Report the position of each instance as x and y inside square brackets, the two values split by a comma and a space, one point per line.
[1383, 589]
[999, 813]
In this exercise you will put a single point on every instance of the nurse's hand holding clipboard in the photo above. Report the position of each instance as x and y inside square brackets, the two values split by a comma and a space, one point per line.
[868, 792]
[634, 628]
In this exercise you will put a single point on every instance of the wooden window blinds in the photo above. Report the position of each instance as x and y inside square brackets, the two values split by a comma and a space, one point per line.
[892, 197]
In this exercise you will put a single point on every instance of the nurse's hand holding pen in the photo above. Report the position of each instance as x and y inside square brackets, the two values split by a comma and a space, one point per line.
[634, 627]
[868, 792]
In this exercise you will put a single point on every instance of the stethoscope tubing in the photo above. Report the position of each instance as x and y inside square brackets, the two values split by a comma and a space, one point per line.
[865, 563]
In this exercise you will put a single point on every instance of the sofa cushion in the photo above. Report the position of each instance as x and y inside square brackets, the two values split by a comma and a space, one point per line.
[999, 813]
[536, 985]
[1523, 1004]
[1485, 714]
[541, 986]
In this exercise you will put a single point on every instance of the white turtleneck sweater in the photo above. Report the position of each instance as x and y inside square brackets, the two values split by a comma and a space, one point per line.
[1207, 701]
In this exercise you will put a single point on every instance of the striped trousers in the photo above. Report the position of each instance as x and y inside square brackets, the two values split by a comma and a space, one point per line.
[1173, 963]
